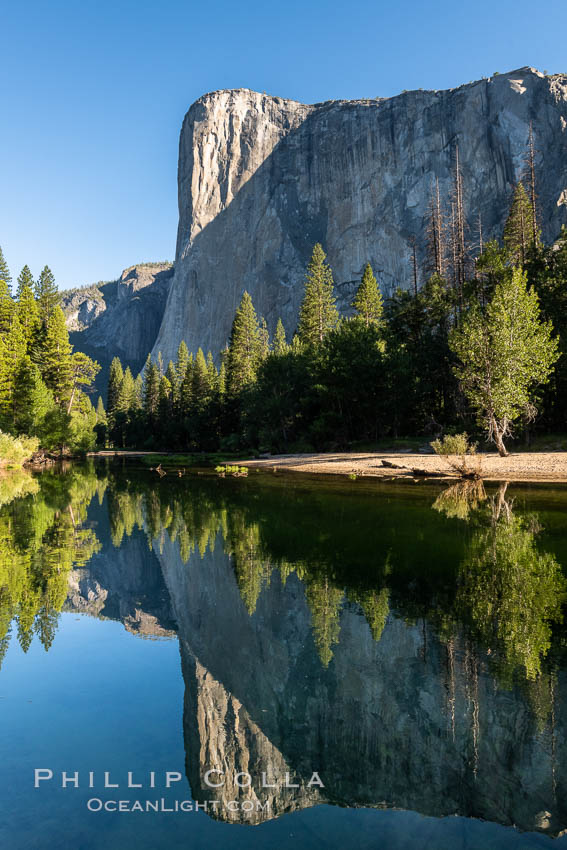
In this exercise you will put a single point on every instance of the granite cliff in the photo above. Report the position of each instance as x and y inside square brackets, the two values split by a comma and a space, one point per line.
[261, 179]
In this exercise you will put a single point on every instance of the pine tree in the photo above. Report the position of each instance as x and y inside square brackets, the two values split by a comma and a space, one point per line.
[171, 375]
[32, 399]
[139, 386]
[5, 271]
[182, 361]
[212, 372]
[201, 381]
[222, 380]
[56, 367]
[244, 347]
[100, 412]
[318, 313]
[47, 295]
[165, 405]
[368, 299]
[128, 396]
[7, 307]
[264, 336]
[151, 390]
[12, 352]
[115, 378]
[280, 345]
[186, 390]
[28, 313]
[25, 278]
[519, 227]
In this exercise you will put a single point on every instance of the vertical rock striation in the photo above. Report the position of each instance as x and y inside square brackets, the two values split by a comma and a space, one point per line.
[261, 179]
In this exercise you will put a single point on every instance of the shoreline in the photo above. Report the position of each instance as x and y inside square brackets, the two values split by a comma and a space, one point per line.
[523, 467]
[544, 467]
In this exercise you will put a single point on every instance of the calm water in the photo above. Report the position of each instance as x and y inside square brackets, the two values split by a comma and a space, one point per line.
[396, 653]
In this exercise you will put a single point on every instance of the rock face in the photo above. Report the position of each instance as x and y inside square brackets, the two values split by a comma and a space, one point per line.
[120, 318]
[261, 179]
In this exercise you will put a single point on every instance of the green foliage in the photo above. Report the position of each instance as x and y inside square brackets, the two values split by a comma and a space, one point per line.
[505, 353]
[56, 364]
[453, 444]
[513, 593]
[318, 312]
[518, 232]
[28, 315]
[5, 271]
[46, 295]
[368, 299]
[25, 280]
[245, 348]
[32, 399]
[232, 470]
[15, 451]
[7, 307]
[41, 538]
[280, 345]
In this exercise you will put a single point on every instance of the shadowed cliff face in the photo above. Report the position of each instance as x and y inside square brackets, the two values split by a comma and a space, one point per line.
[409, 721]
[262, 179]
[120, 318]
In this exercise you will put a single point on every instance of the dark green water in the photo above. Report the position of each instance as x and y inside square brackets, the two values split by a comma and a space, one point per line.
[396, 653]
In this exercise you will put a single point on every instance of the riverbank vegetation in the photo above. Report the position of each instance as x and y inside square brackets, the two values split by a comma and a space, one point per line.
[42, 380]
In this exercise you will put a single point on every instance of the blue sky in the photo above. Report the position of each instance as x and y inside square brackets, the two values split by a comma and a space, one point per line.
[93, 94]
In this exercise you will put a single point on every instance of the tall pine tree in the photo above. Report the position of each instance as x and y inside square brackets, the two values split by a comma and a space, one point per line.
[7, 307]
[25, 278]
[28, 314]
[12, 352]
[47, 295]
[32, 399]
[151, 391]
[318, 313]
[519, 227]
[56, 366]
[244, 350]
[5, 271]
[280, 345]
[368, 299]
[115, 378]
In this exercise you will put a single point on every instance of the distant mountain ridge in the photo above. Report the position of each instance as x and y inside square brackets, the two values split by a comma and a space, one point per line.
[119, 318]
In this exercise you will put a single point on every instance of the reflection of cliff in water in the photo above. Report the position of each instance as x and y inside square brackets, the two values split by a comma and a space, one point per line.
[350, 647]
[410, 722]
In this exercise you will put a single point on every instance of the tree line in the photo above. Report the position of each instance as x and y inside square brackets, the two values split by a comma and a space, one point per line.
[42, 379]
[478, 346]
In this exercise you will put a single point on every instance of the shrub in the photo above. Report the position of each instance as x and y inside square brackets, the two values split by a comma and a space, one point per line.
[14, 451]
[453, 444]
[456, 449]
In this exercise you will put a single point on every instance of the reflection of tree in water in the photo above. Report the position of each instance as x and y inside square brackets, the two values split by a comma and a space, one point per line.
[460, 500]
[195, 519]
[511, 591]
[41, 539]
